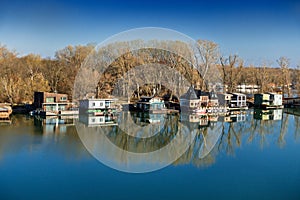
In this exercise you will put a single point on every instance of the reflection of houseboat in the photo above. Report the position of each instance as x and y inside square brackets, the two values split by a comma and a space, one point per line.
[147, 118]
[238, 117]
[268, 100]
[53, 104]
[261, 114]
[54, 124]
[194, 121]
[92, 120]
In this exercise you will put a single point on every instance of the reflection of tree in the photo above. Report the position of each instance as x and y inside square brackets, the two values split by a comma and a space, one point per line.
[230, 138]
[283, 130]
[297, 127]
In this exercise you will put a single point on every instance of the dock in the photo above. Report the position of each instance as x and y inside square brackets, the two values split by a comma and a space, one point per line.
[163, 111]
[291, 102]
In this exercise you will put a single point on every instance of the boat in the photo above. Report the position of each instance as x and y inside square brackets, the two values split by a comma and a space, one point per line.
[5, 111]
[200, 111]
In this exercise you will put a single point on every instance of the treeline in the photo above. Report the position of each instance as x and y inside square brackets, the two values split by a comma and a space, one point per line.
[20, 76]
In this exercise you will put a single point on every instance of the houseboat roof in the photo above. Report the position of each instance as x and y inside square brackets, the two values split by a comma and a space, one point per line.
[262, 94]
[273, 93]
[238, 94]
[190, 94]
[147, 97]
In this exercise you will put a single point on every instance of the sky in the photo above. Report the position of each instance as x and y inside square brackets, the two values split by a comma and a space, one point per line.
[258, 31]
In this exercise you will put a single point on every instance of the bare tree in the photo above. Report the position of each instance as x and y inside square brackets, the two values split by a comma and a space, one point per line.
[206, 56]
[231, 68]
[284, 64]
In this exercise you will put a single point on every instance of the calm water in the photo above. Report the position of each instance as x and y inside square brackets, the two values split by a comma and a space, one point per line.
[256, 155]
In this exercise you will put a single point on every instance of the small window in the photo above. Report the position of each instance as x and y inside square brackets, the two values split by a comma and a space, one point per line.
[93, 120]
[101, 104]
[50, 99]
[94, 104]
[63, 98]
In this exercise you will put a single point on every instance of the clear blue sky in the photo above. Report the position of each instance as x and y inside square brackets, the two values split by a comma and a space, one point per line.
[255, 30]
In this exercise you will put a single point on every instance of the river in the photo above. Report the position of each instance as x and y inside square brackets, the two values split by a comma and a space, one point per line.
[251, 155]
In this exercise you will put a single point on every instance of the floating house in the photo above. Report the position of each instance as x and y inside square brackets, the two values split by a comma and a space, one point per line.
[224, 99]
[238, 100]
[51, 104]
[189, 101]
[268, 100]
[97, 106]
[213, 99]
[151, 104]
[204, 98]
[5, 112]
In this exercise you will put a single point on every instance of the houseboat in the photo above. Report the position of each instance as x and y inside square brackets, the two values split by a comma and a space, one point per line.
[153, 105]
[97, 107]
[5, 112]
[201, 102]
[189, 101]
[268, 101]
[53, 104]
[238, 101]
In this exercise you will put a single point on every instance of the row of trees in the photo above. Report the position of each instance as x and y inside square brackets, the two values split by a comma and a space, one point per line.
[22, 75]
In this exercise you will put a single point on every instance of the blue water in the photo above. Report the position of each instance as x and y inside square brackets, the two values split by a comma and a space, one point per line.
[43, 162]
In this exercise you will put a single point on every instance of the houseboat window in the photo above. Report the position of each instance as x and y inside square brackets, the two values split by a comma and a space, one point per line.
[50, 108]
[50, 99]
[61, 107]
[93, 120]
[63, 98]
[94, 104]
[101, 104]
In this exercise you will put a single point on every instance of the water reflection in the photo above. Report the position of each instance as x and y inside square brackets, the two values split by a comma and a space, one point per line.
[140, 142]
[40, 135]
[132, 147]
[142, 134]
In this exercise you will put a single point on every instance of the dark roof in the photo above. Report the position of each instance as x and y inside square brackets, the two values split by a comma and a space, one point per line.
[190, 94]
[213, 95]
[201, 93]
[195, 94]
